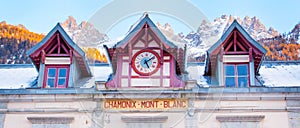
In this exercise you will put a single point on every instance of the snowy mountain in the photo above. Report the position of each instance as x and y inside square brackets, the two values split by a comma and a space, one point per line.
[84, 34]
[209, 31]
[294, 35]
[197, 42]
[168, 31]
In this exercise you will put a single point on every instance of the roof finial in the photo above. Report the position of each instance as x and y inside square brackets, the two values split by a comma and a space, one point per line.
[145, 14]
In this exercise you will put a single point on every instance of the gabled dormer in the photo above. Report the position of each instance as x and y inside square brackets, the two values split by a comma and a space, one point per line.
[146, 59]
[59, 61]
[234, 60]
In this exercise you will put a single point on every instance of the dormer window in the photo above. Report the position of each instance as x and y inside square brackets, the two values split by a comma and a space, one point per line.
[234, 60]
[236, 75]
[59, 61]
[146, 59]
[56, 77]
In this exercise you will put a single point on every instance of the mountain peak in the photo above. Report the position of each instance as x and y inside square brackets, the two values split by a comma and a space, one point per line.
[70, 23]
[84, 34]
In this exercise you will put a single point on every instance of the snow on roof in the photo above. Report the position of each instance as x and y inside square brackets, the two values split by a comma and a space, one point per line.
[196, 73]
[14, 77]
[279, 75]
[282, 75]
[17, 77]
[101, 73]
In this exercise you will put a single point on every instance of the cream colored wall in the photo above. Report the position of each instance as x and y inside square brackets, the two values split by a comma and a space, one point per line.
[175, 119]
[81, 120]
[62, 106]
[274, 111]
[272, 105]
[271, 120]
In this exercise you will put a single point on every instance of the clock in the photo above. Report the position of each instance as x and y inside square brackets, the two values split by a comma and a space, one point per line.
[145, 62]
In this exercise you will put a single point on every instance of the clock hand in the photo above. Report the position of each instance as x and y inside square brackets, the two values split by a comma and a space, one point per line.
[150, 59]
[145, 62]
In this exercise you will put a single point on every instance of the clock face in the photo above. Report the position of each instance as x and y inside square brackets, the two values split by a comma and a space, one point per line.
[145, 62]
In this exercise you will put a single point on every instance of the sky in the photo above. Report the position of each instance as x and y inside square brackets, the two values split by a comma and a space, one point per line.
[42, 15]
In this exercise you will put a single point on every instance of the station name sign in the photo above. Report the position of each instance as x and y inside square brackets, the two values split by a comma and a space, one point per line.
[128, 104]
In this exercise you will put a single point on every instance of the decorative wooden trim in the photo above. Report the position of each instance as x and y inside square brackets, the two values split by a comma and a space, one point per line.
[234, 40]
[221, 54]
[148, 77]
[144, 119]
[58, 55]
[235, 58]
[52, 49]
[236, 53]
[71, 56]
[241, 46]
[57, 60]
[59, 44]
[43, 56]
[50, 120]
[146, 34]
[250, 54]
[241, 118]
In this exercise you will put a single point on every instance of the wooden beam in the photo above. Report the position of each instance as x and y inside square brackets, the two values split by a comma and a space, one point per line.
[61, 55]
[71, 56]
[250, 54]
[51, 51]
[236, 53]
[48, 43]
[146, 34]
[244, 40]
[228, 46]
[43, 54]
[221, 54]
[241, 46]
[234, 40]
[58, 41]
[65, 49]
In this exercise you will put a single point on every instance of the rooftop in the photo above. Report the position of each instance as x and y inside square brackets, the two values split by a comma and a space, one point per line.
[272, 74]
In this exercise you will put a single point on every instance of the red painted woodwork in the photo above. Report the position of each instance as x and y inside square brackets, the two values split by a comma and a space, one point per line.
[235, 44]
[116, 54]
[56, 46]
[56, 76]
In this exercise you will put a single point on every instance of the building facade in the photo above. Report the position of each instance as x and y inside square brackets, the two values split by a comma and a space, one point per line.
[149, 84]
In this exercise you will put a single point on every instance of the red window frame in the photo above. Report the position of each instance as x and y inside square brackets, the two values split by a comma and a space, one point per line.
[236, 76]
[57, 67]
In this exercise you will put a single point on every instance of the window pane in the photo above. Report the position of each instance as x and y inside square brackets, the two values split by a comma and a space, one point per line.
[62, 72]
[51, 72]
[242, 70]
[50, 82]
[230, 81]
[229, 70]
[62, 81]
[243, 81]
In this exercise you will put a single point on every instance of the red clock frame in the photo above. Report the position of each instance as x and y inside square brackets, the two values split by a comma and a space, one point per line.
[141, 73]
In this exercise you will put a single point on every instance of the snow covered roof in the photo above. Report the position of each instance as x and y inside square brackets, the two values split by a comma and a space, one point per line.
[24, 76]
[17, 76]
[274, 75]
[271, 75]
